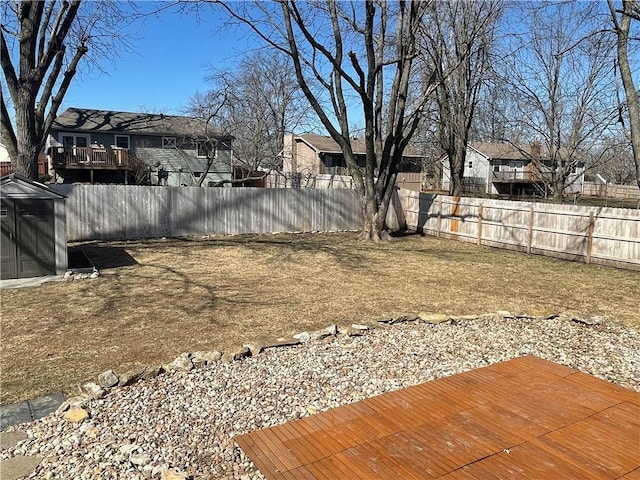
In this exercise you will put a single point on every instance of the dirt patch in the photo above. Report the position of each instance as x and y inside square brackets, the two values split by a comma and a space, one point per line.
[156, 299]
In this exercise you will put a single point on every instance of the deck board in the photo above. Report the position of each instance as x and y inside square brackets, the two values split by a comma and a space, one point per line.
[526, 418]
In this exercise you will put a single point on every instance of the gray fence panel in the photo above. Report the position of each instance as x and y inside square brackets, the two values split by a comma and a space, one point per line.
[127, 212]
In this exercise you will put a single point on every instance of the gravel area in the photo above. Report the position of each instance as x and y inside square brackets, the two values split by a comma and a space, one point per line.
[187, 420]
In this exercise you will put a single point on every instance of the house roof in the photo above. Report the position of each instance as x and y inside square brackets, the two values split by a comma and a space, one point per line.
[508, 151]
[324, 144]
[88, 120]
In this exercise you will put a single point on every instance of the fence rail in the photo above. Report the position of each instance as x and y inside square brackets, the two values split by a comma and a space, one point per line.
[309, 180]
[604, 236]
[408, 180]
[96, 212]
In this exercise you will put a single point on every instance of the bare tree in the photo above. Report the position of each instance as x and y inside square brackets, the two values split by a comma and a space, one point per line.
[353, 60]
[622, 19]
[458, 38]
[209, 136]
[559, 71]
[256, 103]
[41, 46]
[618, 165]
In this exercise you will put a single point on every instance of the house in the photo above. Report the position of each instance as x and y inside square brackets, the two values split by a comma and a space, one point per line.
[317, 154]
[98, 146]
[6, 167]
[507, 169]
[5, 162]
[33, 241]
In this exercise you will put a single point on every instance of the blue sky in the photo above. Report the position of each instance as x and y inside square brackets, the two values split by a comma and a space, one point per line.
[171, 56]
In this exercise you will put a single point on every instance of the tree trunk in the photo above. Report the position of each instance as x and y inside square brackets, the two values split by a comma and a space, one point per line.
[28, 147]
[457, 156]
[373, 223]
[374, 216]
[633, 104]
[455, 186]
[558, 188]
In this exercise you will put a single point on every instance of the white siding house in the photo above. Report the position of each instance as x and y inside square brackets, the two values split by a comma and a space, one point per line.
[502, 168]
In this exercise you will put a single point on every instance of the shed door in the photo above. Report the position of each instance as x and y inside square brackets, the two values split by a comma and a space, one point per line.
[28, 238]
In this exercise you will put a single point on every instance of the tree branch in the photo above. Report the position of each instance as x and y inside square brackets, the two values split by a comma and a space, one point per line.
[8, 134]
[66, 81]
[8, 69]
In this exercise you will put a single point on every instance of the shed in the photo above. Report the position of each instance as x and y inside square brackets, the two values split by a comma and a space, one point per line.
[34, 230]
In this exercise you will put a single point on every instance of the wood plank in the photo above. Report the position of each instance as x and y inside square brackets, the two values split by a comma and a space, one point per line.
[605, 388]
[581, 443]
[491, 423]
[634, 475]
[527, 461]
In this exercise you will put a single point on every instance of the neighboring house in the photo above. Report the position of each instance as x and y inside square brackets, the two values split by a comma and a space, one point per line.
[506, 169]
[5, 161]
[98, 146]
[317, 154]
[6, 166]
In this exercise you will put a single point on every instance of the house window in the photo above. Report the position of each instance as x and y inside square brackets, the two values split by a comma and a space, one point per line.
[470, 164]
[496, 168]
[74, 140]
[168, 142]
[206, 148]
[122, 141]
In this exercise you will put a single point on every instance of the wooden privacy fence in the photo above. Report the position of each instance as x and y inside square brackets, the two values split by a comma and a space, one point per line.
[308, 180]
[409, 181]
[96, 212]
[611, 190]
[605, 236]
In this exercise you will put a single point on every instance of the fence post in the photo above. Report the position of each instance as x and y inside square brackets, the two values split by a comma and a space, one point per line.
[590, 229]
[439, 222]
[530, 231]
[479, 239]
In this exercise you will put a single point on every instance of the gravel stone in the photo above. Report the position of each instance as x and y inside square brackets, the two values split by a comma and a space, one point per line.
[182, 424]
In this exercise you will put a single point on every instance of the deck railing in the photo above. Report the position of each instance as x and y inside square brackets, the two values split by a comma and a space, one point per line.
[518, 176]
[94, 157]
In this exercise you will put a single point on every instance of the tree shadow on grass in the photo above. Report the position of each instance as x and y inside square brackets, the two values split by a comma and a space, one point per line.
[99, 256]
[287, 244]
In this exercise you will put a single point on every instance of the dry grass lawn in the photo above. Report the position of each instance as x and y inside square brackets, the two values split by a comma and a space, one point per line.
[156, 299]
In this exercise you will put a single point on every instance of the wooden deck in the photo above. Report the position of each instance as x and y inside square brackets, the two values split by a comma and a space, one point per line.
[95, 158]
[521, 419]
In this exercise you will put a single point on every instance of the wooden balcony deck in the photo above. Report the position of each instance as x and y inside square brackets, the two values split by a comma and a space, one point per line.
[521, 419]
[94, 158]
[518, 176]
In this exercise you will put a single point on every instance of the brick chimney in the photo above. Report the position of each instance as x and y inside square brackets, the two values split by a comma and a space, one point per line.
[536, 151]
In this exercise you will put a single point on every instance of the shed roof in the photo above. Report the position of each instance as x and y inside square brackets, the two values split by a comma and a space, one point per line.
[88, 120]
[17, 186]
[324, 144]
